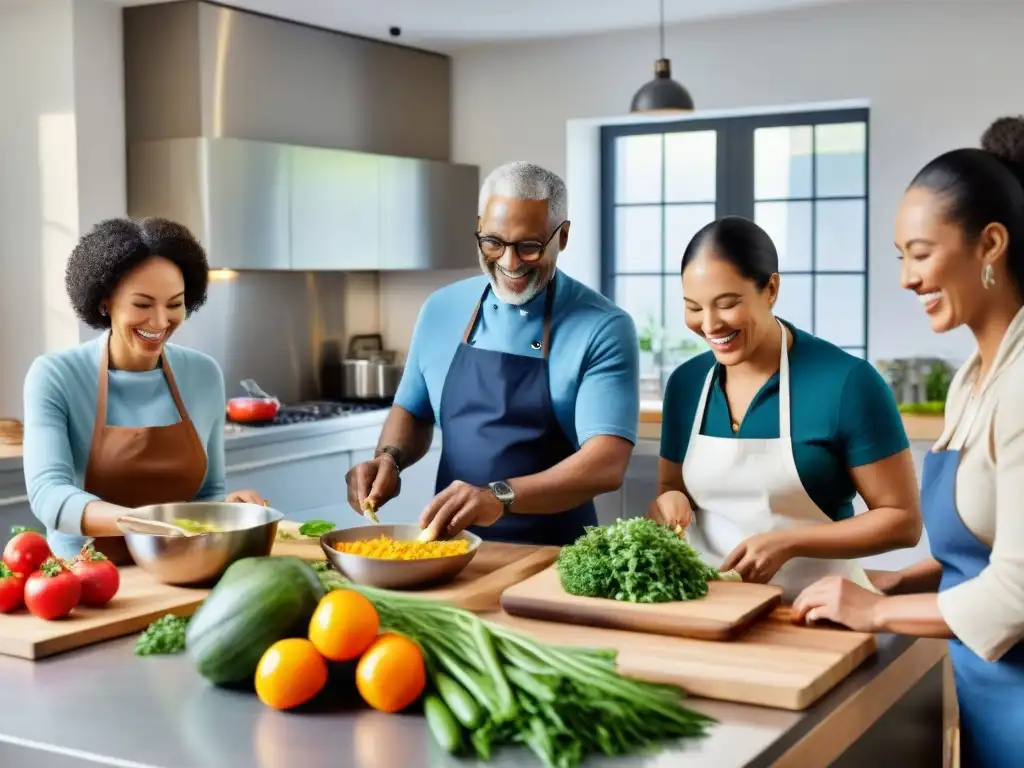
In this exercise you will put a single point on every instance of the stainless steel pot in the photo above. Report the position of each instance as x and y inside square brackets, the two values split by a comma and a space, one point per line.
[369, 379]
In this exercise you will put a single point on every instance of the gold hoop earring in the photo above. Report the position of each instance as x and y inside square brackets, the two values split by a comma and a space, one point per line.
[987, 278]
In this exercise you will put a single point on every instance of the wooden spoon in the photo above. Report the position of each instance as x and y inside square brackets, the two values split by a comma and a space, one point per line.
[155, 526]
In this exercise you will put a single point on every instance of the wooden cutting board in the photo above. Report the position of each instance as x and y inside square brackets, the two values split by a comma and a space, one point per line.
[729, 608]
[773, 664]
[139, 601]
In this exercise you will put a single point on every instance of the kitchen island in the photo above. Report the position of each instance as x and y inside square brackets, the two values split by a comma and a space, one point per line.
[105, 706]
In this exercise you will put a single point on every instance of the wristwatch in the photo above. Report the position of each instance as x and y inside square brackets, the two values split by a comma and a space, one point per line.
[503, 492]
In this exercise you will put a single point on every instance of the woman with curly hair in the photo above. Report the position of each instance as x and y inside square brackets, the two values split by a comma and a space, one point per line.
[127, 419]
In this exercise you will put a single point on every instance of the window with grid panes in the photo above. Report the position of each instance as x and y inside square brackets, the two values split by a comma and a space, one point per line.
[803, 176]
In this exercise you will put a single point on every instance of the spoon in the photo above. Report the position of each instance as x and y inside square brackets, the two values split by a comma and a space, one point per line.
[253, 390]
[155, 526]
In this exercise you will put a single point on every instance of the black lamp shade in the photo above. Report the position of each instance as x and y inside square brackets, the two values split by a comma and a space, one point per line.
[662, 94]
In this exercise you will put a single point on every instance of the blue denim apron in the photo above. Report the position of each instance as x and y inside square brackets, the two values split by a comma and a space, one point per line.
[498, 422]
[990, 694]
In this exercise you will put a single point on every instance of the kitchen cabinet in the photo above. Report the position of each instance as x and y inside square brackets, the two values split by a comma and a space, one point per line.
[335, 201]
[232, 194]
[427, 213]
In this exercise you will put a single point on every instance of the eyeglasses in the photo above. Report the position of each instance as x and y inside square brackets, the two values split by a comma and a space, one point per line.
[493, 248]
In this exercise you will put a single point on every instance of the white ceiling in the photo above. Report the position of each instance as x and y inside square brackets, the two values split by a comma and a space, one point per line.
[450, 24]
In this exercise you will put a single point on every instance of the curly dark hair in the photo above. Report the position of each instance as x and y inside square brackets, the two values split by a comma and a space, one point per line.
[115, 247]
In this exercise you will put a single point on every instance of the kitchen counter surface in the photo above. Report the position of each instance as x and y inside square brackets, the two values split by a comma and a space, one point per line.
[104, 705]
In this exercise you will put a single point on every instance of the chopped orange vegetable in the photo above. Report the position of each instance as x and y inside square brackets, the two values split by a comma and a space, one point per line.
[386, 548]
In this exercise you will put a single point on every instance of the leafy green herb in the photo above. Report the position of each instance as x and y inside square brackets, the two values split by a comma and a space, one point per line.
[637, 560]
[164, 636]
[16, 529]
[314, 529]
[501, 688]
[321, 566]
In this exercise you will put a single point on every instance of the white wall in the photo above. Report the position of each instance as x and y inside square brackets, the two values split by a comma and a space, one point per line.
[935, 75]
[62, 160]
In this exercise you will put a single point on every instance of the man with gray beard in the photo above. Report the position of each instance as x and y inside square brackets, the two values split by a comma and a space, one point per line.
[532, 377]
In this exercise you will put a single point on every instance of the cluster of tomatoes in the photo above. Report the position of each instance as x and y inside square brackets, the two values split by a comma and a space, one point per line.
[49, 587]
[390, 673]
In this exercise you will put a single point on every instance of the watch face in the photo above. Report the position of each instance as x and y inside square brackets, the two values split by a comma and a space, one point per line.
[501, 489]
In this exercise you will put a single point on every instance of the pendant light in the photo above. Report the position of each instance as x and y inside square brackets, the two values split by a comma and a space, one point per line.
[662, 94]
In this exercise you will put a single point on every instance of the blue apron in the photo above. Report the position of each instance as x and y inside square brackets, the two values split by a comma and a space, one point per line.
[990, 694]
[498, 422]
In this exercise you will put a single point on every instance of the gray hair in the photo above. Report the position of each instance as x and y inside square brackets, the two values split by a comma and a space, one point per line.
[526, 181]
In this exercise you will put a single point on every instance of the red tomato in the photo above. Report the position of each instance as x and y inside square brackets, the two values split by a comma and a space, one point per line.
[52, 591]
[12, 589]
[100, 578]
[26, 551]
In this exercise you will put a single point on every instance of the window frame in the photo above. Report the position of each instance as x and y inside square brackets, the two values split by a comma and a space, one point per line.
[734, 187]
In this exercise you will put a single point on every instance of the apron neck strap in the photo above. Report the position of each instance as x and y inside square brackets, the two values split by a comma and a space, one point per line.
[784, 417]
[549, 302]
[103, 387]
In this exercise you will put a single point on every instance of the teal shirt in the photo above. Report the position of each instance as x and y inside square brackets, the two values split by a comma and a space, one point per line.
[843, 415]
[60, 409]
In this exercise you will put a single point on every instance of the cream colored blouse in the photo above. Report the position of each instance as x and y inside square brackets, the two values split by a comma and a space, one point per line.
[987, 612]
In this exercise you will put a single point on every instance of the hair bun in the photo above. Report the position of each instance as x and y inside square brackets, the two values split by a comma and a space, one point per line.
[1005, 139]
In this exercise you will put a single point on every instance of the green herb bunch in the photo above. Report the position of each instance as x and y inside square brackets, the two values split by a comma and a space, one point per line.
[635, 560]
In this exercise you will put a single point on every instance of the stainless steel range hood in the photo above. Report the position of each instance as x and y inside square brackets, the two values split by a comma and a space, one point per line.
[233, 120]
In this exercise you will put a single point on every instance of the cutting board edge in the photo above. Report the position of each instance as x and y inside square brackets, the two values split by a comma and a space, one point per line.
[53, 646]
[590, 614]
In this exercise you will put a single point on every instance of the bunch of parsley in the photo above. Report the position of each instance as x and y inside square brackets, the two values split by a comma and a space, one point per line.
[637, 561]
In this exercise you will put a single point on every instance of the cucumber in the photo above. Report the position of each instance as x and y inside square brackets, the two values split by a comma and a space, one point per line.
[249, 610]
[443, 726]
[461, 704]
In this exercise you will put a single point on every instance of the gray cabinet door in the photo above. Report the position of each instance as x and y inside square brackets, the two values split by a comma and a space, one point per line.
[427, 214]
[247, 225]
[335, 210]
[296, 484]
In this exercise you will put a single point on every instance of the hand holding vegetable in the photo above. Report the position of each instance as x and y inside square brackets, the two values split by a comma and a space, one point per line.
[457, 507]
[373, 484]
[671, 508]
[758, 558]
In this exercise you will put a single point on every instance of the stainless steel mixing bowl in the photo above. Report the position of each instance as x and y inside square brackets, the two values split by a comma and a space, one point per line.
[248, 531]
[394, 574]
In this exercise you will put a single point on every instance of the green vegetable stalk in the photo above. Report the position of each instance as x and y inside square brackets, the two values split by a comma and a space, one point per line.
[492, 687]
[635, 560]
[164, 636]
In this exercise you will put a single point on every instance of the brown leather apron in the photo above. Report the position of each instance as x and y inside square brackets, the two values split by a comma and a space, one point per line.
[139, 466]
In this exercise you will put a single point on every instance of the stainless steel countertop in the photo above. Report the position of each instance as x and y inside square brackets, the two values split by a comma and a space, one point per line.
[114, 708]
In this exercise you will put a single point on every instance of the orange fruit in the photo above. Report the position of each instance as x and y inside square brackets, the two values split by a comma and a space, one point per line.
[344, 625]
[391, 675]
[290, 673]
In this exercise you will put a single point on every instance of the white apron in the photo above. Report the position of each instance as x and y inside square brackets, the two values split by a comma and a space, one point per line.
[742, 487]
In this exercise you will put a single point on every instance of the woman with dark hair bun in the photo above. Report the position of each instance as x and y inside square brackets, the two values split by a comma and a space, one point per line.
[108, 426]
[767, 437]
[960, 233]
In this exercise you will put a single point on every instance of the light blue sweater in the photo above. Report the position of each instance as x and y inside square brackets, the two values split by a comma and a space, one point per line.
[60, 409]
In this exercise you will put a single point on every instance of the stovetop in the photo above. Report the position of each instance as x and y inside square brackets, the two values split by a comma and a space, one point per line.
[300, 413]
